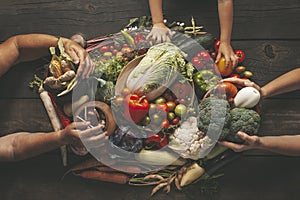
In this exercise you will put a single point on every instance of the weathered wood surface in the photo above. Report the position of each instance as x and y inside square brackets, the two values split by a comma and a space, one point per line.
[253, 19]
[269, 33]
[248, 178]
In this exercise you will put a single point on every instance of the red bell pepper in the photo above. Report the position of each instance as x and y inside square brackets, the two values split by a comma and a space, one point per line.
[136, 108]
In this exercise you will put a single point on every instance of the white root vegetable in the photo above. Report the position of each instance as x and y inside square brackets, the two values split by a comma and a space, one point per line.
[160, 157]
[56, 124]
[193, 173]
[69, 107]
[247, 97]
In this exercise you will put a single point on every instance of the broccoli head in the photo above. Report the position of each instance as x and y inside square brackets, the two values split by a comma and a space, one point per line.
[243, 119]
[214, 117]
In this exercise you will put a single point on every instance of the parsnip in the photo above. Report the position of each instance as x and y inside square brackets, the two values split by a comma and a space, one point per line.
[193, 173]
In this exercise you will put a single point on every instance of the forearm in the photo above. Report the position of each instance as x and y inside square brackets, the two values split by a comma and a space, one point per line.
[287, 82]
[20, 146]
[225, 9]
[21, 48]
[156, 11]
[285, 145]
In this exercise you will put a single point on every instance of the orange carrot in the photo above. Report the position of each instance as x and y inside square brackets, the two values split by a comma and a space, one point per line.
[124, 169]
[113, 177]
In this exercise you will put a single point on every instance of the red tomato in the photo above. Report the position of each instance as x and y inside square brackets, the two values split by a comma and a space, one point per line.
[223, 69]
[165, 123]
[228, 88]
[103, 49]
[171, 105]
[162, 107]
[240, 54]
[197, 62]
[175, 120]
[204, 55]
[235, 76]
[217, 45]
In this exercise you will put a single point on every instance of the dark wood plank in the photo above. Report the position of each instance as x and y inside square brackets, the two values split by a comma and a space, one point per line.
[249, 177]
[253, 19]
[23, 115]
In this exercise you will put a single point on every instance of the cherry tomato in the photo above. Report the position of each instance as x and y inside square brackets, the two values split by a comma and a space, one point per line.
[175, 120]
[217, 45]
[162, 107]
[235, 76]
[240, 54]
[240, 69]
[165, 123]
[223, 69]
[103, 49]
[111, 48]
[204, 55]
[197, 62]
[171, 105]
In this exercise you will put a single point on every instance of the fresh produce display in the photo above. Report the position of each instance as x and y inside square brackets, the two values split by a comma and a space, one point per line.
[164, 105]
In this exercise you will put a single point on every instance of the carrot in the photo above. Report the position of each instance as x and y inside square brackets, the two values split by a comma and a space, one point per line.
[113, 177]
[123, 169]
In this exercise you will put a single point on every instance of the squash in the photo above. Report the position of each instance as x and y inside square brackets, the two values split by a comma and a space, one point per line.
[247, 97]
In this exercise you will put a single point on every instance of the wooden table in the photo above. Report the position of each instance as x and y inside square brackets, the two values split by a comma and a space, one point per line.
[268, 32]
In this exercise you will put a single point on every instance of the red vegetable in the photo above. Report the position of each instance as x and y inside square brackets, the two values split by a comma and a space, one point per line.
[204, 55]
[136, 108]
[65, 121]
[197, 62]
[162, 108]
[228, 88]
[139, 37]
[240, 54]
[103, 49]
[217, 45]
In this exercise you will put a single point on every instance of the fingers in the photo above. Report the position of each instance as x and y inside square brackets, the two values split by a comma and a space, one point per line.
[242, 82]
[218, 57]
[235, 147]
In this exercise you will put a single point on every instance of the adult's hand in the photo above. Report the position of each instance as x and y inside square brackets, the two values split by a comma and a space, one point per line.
[250, 142]
[79, 56]
[226, 50]
[242, 82]
[77, 132]
[159, 33]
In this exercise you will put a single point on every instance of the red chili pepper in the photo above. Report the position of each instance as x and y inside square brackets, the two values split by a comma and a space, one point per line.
[136, 108]
[64, 119]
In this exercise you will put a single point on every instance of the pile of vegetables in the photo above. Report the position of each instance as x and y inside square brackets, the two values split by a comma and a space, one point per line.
[168, 110]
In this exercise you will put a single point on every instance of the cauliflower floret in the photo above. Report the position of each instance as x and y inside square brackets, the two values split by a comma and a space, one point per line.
[188, 141]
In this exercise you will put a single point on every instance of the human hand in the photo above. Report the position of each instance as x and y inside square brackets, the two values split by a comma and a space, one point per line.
[226, 50]
[79, 56]
[79, 132]
[159, 33]
[242, 82]
[250, 142]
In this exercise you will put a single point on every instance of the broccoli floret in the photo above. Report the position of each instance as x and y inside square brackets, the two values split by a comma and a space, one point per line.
[214, 117]
[245, 120]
